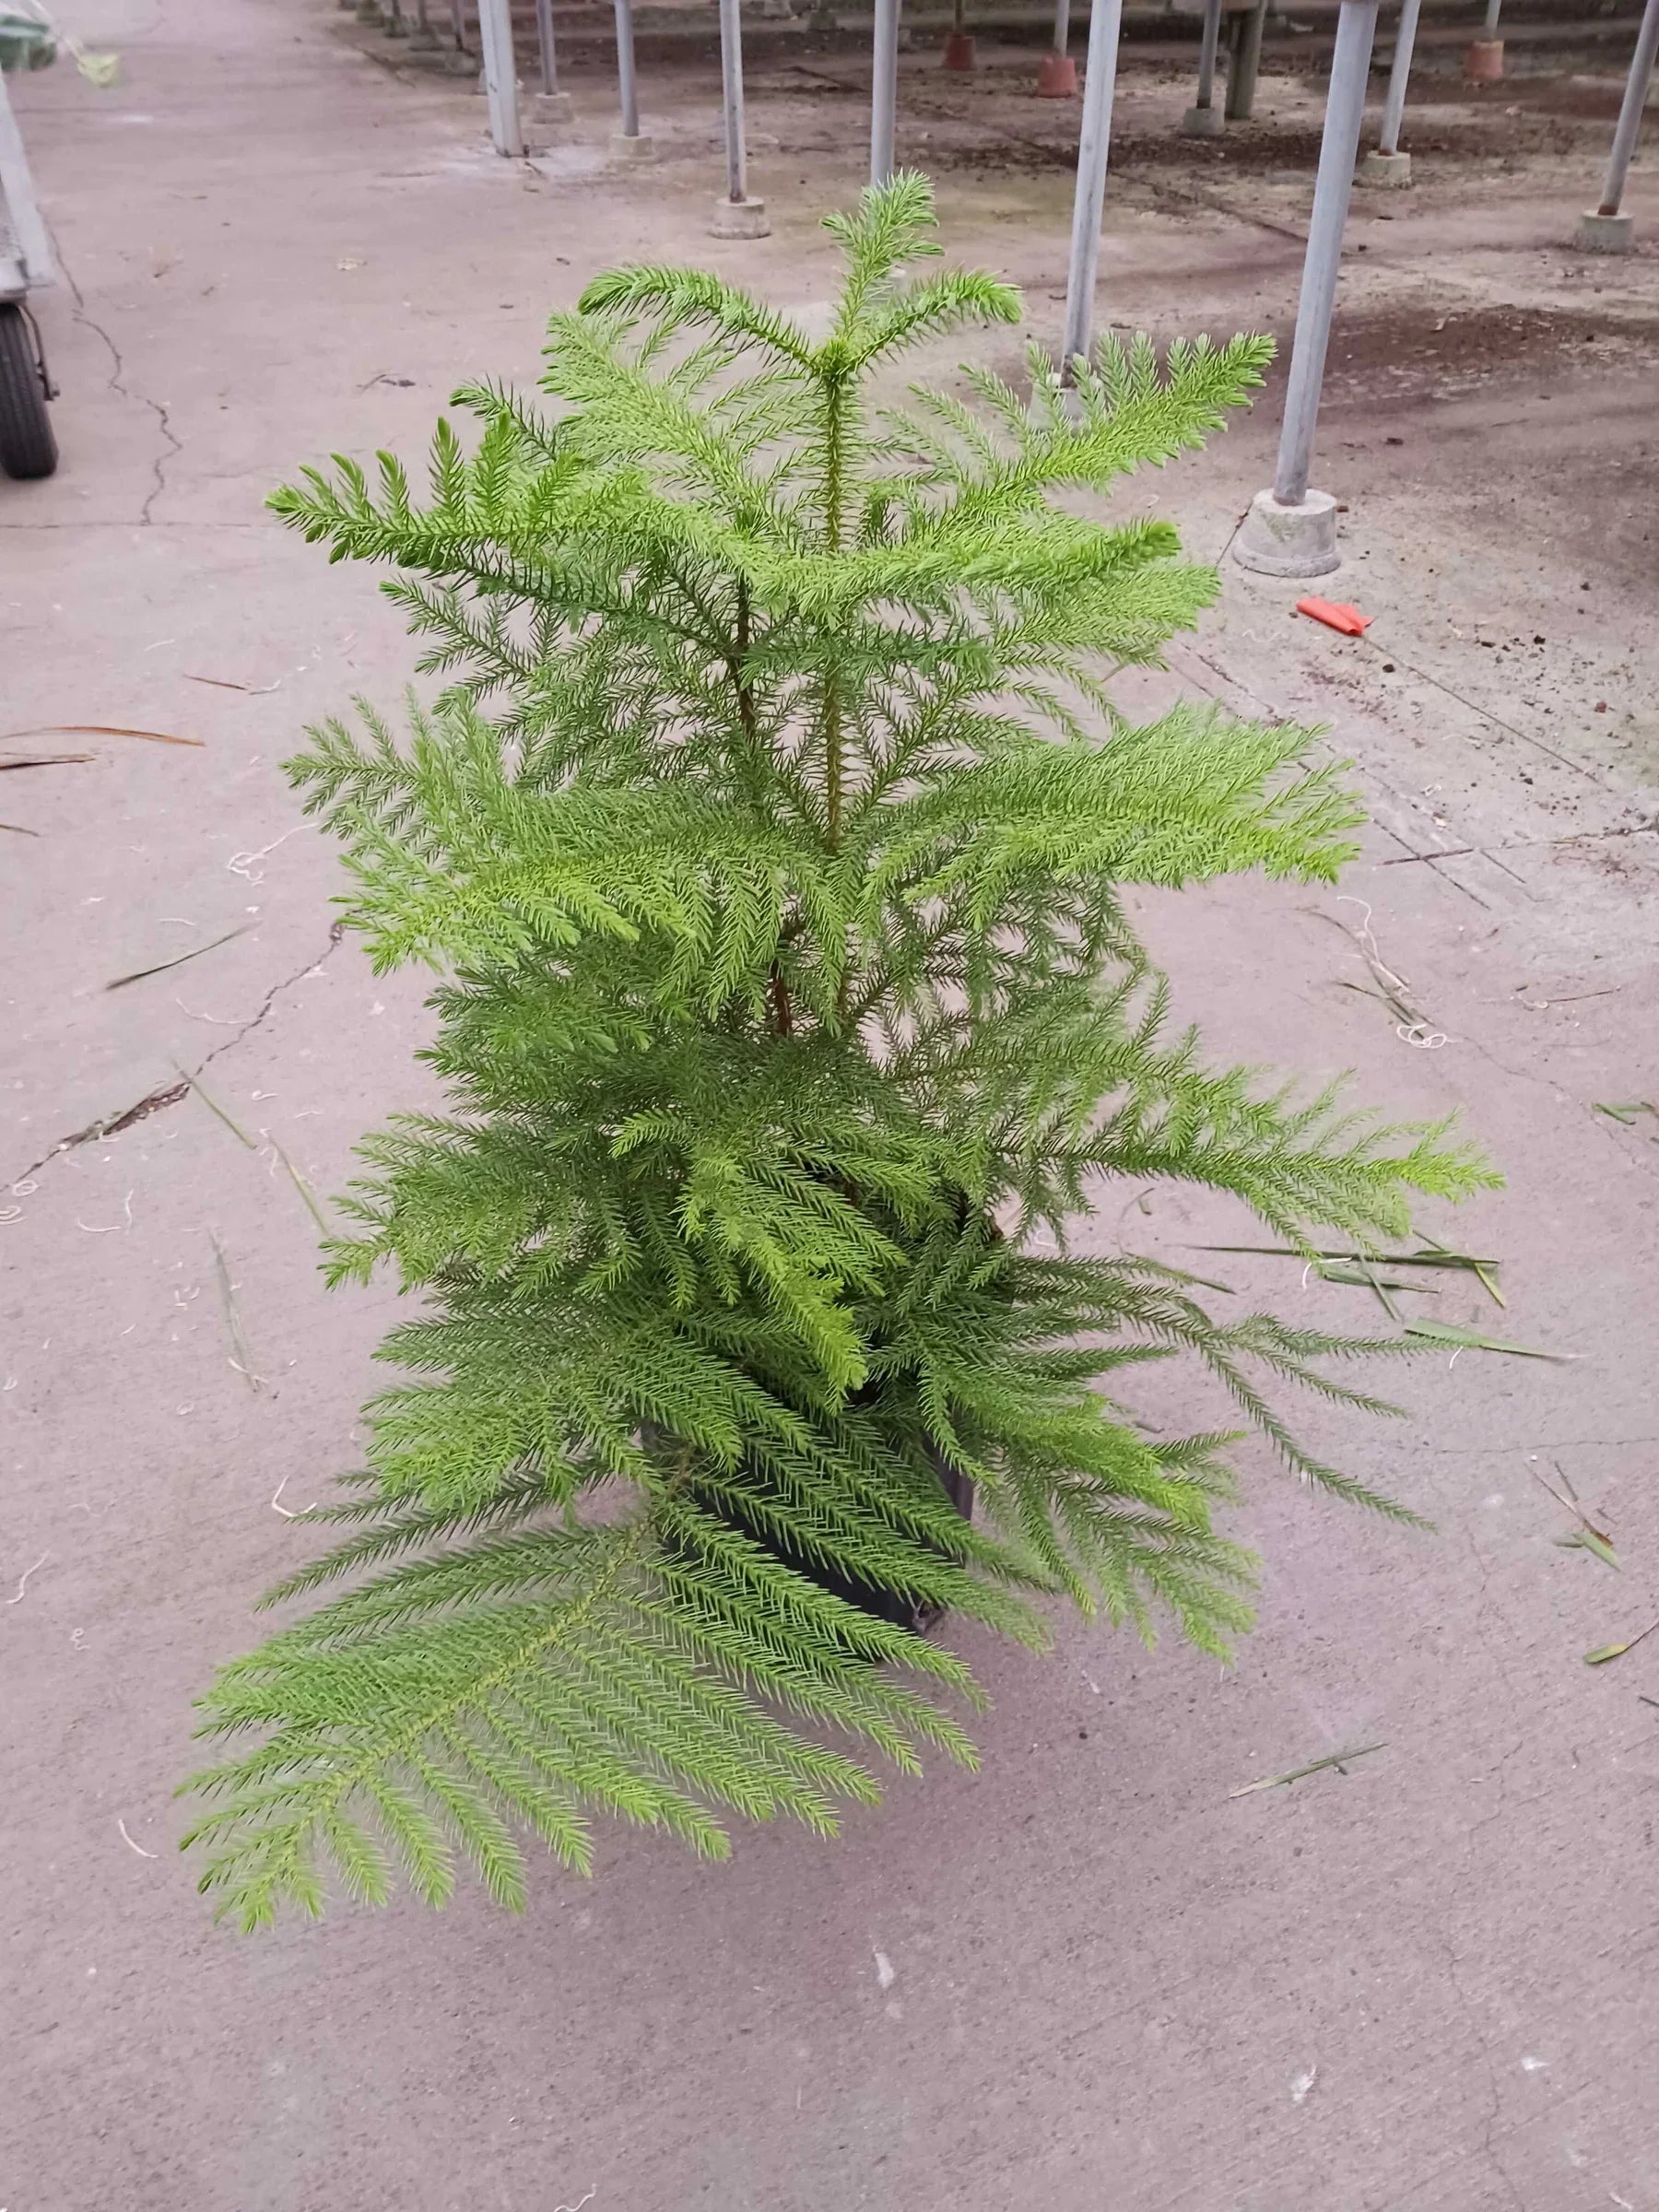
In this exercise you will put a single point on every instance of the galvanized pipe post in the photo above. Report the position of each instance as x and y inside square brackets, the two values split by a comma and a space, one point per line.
[1057, 74]
[627, 144]
[501, 77]
[1606, 230]
[1246, 64]
[1100, 79]
[1394, 107]
[884, 90]
[1202, 120]
[627, 90]
[1385, 164]
[735, 215]
[549, 52]
[1291, 531]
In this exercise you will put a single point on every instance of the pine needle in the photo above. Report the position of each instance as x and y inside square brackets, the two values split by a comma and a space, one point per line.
[195, 952]
[97, 729]
[303, 1188]
[1339, 1759]
[241, 1358]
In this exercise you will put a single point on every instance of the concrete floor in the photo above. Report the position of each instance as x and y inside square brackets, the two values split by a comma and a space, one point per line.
[1427, 1984]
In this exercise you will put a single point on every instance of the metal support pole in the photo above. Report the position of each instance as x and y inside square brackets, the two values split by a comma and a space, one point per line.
[500, 76]
[1345, 110]
[1291, 531]
[1246, 64]
[1204, 119]
[731, 81]
[884, 90]
[1057, 73]
[735, 215]
[1207, 48]
[1629, 113]
[1394, 107]
[1494, 9]
[1100, 79]
[624, 70]
[549, 52]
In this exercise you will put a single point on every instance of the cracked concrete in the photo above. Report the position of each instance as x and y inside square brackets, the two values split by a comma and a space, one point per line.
[173, 1094]
[1108, 1976]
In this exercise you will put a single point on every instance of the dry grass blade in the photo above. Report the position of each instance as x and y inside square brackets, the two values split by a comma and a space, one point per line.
[225, 683]
[1587, 1536]
[303, 1188]
[99, 729]
[1471, 1340]
[1628, 1113]
[1362, 1277]
[242, 1357]
[1339, 1759]
[43, 760]
[1432, 1255]
[1591, 1540]
[18, 829]
[1616, 1650]
[214, 1106]
[195, 953]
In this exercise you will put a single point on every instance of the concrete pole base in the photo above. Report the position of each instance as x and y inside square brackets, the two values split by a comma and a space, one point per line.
[632, 150]
[1203, 123]
[1387, 170]
[423, 39]
[1058, 78]
[1289, 541]
[958, 51]
[740, 218]
[1603, 234]
[549, 107]
[1483, 62]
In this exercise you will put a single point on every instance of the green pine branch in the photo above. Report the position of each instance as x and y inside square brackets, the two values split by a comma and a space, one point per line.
[769, 835]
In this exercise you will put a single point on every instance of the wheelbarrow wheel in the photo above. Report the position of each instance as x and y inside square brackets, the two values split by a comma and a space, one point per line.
[28, 448]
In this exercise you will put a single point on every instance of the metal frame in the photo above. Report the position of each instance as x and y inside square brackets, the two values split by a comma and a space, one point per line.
[1345, 110]
[884, 89]
[501, 77]
[1094, 147]
[1394, 107]
[1629, 128]
[33, 265]
[731, 83]
[627, 89]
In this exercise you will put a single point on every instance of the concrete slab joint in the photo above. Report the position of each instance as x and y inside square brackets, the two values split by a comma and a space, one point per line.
[1296, 539]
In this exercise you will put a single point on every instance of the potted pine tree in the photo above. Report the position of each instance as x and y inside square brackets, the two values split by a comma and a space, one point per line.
[769, 838]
